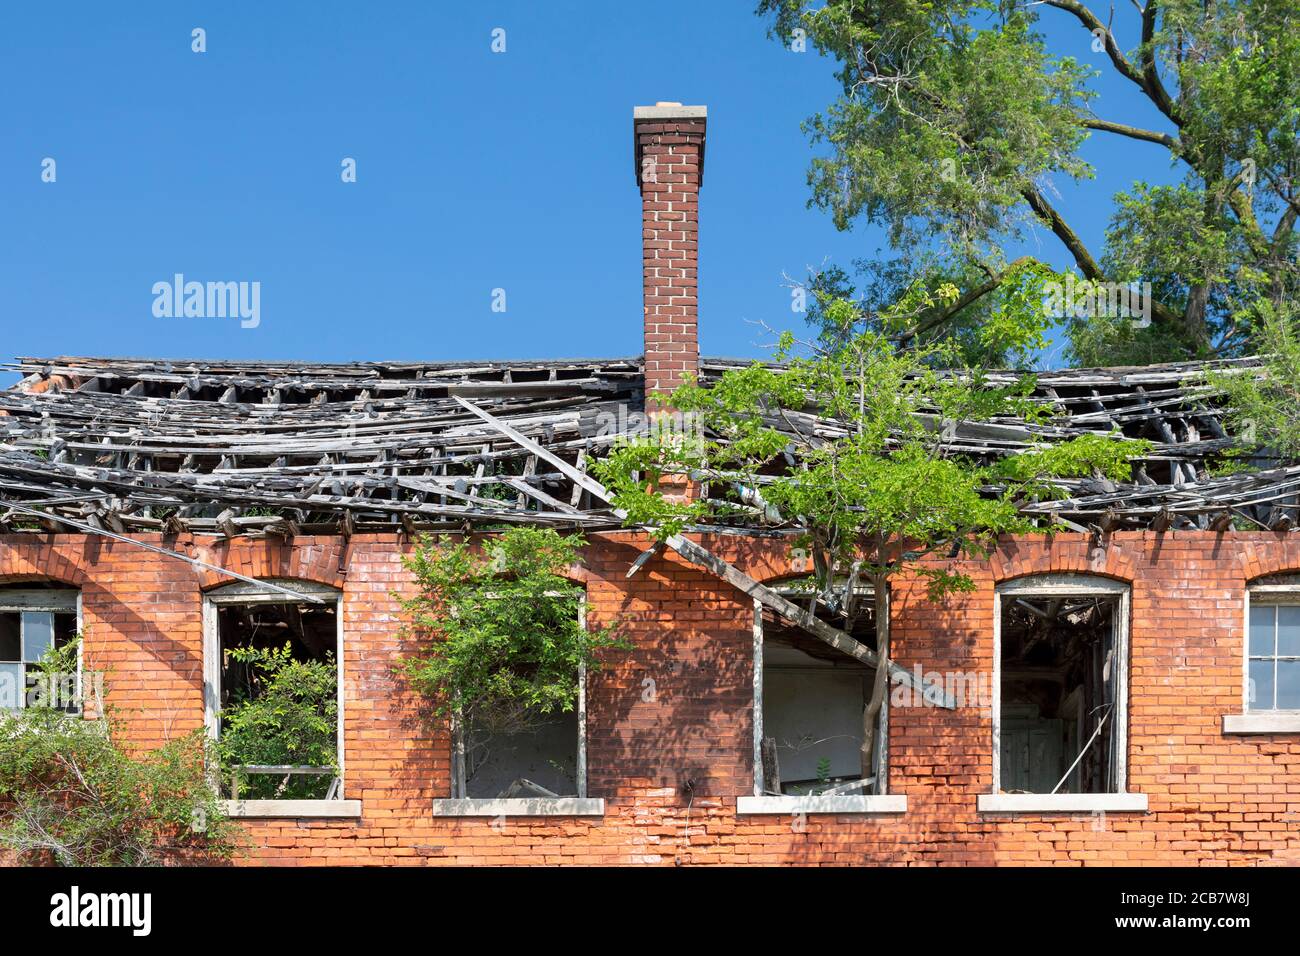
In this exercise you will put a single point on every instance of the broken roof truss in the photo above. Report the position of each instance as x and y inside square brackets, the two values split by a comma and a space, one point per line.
[234, 448]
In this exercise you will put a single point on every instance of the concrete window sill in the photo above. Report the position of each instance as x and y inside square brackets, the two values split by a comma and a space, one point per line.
[293, 808]
[847, 803]
[1274, 723]
[1062, 803]
[521, 807]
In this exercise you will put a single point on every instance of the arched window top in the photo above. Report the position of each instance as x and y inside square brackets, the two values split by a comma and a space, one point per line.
[284, 591]
[1284, 583]
[37, 596]
[1063, 583]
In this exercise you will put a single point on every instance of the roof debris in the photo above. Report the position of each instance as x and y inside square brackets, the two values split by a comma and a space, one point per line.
[232, 447]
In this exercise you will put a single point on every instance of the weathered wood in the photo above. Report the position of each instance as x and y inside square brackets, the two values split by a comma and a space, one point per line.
[771, 767]
[697, 554]
[374, 445]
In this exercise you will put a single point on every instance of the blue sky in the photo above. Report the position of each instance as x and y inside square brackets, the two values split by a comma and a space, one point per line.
[475, 171]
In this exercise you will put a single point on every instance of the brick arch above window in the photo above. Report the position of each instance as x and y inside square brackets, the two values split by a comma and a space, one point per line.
[37, 562]
[227, 588]
[318, 560]
[1279, 554]
[1076, 554]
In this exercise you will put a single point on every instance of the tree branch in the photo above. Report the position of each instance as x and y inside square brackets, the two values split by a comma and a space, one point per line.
[966, 298]
[1147, 78]
[1284, 226]
[1048, 214]
[1090, 21]
[1134, 132]
[1082, 257]
[1150, 75]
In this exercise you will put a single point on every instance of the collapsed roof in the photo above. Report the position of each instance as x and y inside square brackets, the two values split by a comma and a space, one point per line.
[263, 447]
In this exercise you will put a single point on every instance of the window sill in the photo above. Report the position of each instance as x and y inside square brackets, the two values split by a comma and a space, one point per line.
[1062, 803]
[1263, 723]
[520, 807]
[847, 803]
[292, 808]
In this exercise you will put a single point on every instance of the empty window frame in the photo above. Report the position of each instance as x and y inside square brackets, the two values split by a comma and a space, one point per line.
[33, 621]
[533, 757]
[1273, 647]
[1060, 686]
[810, 708]
[244, 616]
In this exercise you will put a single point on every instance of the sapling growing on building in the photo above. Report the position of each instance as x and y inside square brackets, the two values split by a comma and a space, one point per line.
[503, 637]
[851, 447]
[285, 714]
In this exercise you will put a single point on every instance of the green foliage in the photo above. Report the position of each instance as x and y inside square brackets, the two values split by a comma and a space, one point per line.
[289, 716]
[506, 640]
[941, 143]
[954, 117]
[1007, 326]
[893, 488]
[73, 794]
[1266, 408]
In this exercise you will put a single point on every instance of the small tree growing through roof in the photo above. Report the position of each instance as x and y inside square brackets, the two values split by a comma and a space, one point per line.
[507, 641]
[886, 487]
[1265, 408]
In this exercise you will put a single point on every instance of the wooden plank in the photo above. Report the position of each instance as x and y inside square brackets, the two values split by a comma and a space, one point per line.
[697, 554]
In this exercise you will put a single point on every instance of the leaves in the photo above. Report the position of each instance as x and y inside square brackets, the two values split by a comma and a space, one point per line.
[72, 793]
[892, 487]
[503, 637]
[291, 719]
[1265, 409]
[956, 119]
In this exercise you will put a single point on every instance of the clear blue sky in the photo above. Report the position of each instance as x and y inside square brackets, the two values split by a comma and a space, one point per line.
[475, 171]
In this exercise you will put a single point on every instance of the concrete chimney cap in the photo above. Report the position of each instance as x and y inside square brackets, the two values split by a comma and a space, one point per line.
[669, 111]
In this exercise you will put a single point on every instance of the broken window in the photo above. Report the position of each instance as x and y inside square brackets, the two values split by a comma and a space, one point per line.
[272, 690]
[1273, 647]
[35, 620]
[1061, 707]
[811, 704]
[524, 753]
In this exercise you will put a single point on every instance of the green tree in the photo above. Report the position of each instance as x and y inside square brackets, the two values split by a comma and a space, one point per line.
[1264, 408]
[286, 716]
[72, 792]
[852, 444]
[502, 637]
[955, 113]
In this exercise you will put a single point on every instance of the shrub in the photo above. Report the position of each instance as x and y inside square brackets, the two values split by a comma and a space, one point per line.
[289, 716]
[71, 793]
[507, 640]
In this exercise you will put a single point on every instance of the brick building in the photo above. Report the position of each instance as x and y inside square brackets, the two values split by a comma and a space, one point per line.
[1128, 692]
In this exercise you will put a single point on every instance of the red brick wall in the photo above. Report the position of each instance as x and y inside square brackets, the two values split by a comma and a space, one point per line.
[670, 165]
[1213, 799]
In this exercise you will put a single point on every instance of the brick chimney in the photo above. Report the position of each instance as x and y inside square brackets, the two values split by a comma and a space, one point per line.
[669, 145]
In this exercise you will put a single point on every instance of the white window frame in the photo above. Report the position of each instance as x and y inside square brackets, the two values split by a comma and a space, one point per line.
[579, 806]
[1066, 585]
[1278, 591]
[857, 804]
[239, 594]
[15, 599]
